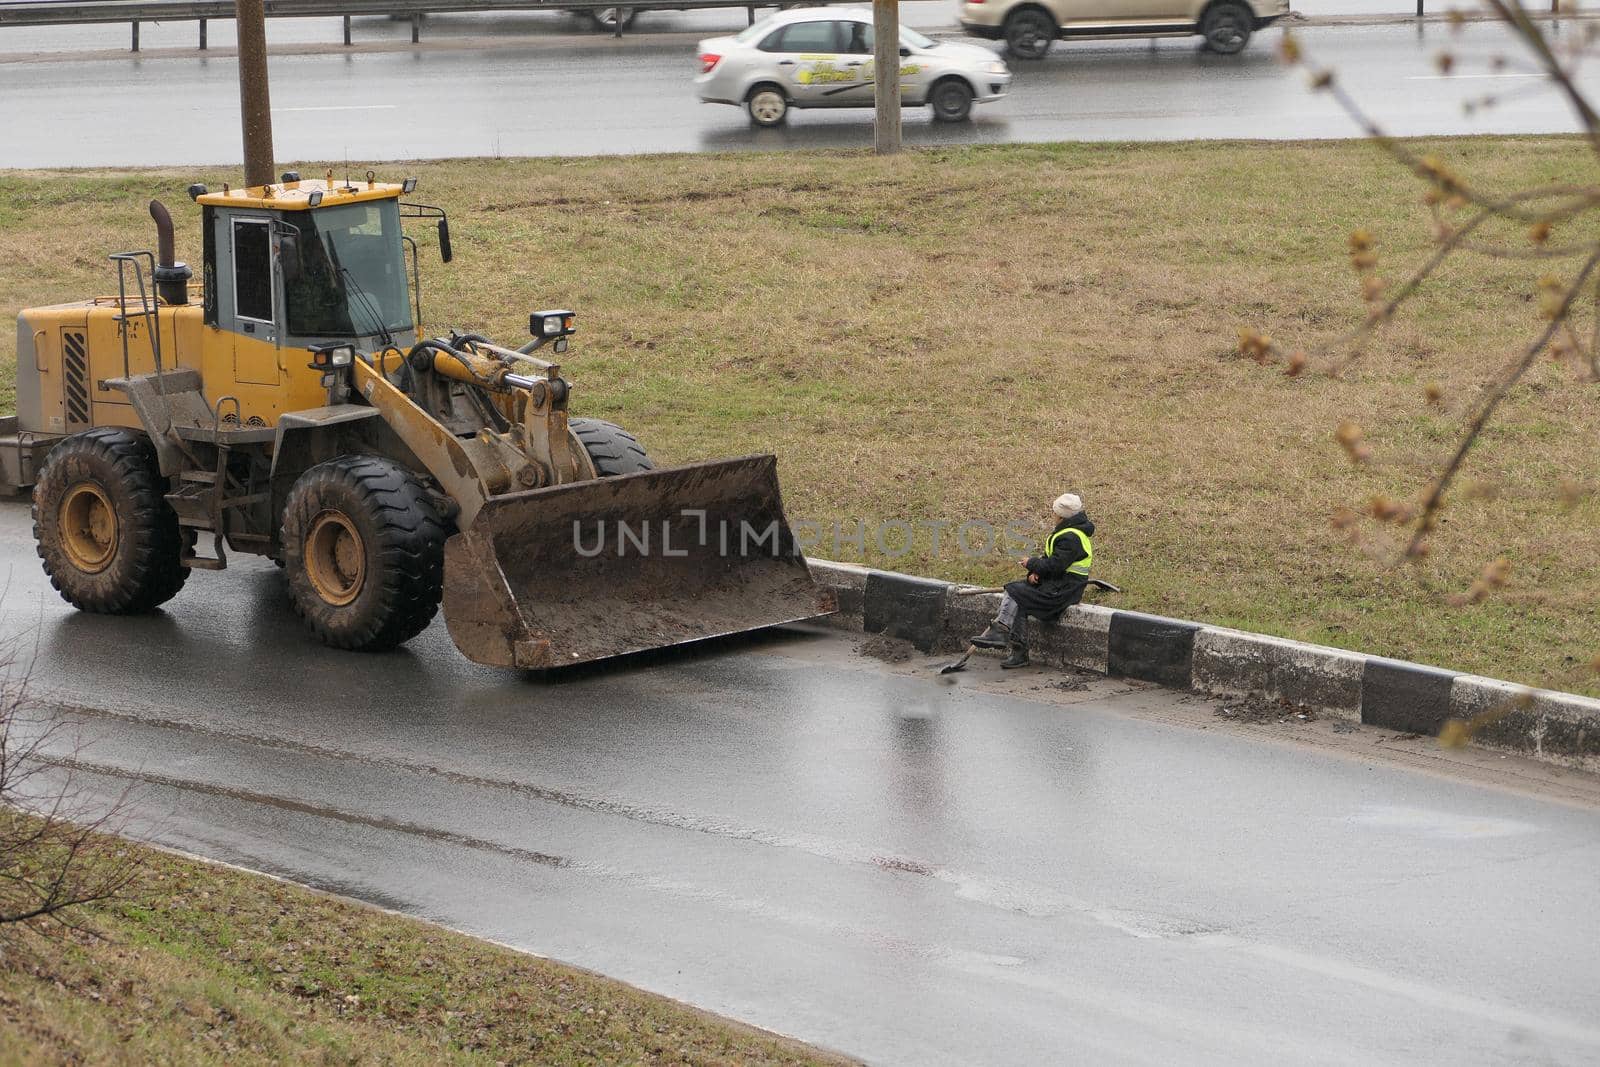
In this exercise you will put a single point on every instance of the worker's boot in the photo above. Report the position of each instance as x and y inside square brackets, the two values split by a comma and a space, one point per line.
[1018, 657]
[995, 636]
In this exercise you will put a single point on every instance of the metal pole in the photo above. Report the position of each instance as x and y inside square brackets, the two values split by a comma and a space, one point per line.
[202, 35]
[1419, 9]
[886, 77]
[255, 106]
[347, 31]
[135, 35]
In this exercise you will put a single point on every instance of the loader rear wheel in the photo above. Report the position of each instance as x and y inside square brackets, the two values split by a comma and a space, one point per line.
[109, 540]
[613, 449]
[363, 546]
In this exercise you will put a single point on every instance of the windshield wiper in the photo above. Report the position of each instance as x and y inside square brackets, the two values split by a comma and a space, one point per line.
[368, 305]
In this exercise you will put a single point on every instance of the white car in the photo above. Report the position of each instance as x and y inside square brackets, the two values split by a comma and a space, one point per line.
[822, 57]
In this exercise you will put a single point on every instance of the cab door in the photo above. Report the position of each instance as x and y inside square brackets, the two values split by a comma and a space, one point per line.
[807, 57]
[860, 42]
[253, 319]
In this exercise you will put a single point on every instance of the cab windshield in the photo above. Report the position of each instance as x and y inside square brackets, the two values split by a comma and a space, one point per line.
[350, 280]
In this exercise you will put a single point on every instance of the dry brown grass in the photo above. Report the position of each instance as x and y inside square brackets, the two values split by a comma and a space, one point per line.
[206, 965]
[962, 334]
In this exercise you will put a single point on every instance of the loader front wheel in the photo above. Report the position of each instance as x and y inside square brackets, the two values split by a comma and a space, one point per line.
[363, 547]
[613, 449]
[108, 539]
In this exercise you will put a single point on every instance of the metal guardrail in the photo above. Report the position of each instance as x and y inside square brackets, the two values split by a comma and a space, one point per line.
[68, 13]
[1555, 8]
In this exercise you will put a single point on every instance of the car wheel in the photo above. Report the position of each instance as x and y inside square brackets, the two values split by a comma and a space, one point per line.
[612, 449]
[1226, 27]
[767, 105]
[1029, 33]
[109, 540]
[363, 547]
[951, 100]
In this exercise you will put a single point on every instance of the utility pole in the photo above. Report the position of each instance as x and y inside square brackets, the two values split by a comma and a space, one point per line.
[255, 105]
[886, 77]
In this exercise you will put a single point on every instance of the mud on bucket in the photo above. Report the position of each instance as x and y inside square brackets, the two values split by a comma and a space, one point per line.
[575, 573]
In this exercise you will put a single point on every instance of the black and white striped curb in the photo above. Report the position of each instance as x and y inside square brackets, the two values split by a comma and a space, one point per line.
[1558, 727]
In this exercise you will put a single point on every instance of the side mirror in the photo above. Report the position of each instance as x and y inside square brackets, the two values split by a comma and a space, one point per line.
[904, 51]
[444, 240]
[289, 257]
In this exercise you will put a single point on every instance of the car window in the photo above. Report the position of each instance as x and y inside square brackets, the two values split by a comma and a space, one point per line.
[858, 38]
[754, 30]
[804, 37]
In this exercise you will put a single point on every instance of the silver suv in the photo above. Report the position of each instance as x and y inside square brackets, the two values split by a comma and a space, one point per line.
[1029, 27]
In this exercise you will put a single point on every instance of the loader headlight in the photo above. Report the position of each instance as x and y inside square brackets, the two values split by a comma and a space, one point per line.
[331, 357]
[552, 324]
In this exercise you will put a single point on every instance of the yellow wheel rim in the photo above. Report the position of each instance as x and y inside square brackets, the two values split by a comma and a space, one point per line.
[88, 528]
[336, 560]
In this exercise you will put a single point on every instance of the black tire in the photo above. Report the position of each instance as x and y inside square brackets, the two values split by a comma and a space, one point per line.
[363, 548]
[613, 449]
[1030, 32]
[767, 105]
[125, 557]
[951, 101]
[1226, 27]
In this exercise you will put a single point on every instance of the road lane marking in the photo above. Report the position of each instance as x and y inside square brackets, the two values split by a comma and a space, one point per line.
[342, 107]
[1466, 77]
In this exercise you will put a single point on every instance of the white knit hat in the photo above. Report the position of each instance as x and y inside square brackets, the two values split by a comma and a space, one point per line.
[1067, 505]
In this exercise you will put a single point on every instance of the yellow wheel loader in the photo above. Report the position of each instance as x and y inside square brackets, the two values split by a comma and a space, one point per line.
[290, 405]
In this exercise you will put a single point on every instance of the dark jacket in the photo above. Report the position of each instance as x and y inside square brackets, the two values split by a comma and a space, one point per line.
[1057, 590]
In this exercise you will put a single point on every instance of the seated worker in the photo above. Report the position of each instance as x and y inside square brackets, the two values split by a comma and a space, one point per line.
[1055, 582]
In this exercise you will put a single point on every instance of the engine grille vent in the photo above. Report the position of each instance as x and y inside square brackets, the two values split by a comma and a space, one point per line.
[75, 369]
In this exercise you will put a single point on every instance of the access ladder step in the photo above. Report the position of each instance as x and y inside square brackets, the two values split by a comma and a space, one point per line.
[192, 502]
[218, 562]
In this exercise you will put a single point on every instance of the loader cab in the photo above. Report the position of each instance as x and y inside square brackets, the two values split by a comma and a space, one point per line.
[304, 263]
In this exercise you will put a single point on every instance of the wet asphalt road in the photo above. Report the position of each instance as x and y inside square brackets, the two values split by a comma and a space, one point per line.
[781, 830]
[540, 85]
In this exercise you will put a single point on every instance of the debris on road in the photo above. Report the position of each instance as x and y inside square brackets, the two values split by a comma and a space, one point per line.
[1255, 707]
[885, 648]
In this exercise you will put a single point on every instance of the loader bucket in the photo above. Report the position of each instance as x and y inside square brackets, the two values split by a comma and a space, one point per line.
[581, 572]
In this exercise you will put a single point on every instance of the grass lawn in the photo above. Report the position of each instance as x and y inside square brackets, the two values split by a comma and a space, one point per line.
[207, 965]
[962, 334]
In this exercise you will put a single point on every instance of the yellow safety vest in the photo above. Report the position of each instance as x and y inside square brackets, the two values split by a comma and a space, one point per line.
[1080, 568]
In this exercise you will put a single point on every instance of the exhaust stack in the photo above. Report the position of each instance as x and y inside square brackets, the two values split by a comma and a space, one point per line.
[172, 278]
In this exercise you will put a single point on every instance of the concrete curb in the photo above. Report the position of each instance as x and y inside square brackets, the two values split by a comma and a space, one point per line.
[937, 616]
